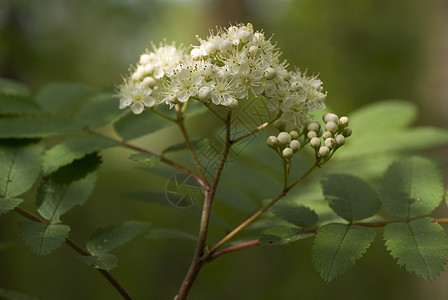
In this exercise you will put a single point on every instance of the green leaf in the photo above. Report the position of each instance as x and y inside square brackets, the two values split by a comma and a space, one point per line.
[8, 204]
[13, 295]
[105, 261]
[338, 246]
[383, 117]
[108, 238]
[350, 197]
[100, 110]
[61, 97]
[420, 245]
[166, 233]
[281, 235]
[194, 109]
[75, 148]
[196, 143]
[412, 187]
[55, 199]
[133, 126]
[145, 159]
[298, 215]
[37, 126]
[43, 239]
[19, 166]
[10, 87]
[17, 105]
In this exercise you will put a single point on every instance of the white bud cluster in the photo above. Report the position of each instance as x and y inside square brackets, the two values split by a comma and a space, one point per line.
[229, 65]
[285, 143]
[333, 134]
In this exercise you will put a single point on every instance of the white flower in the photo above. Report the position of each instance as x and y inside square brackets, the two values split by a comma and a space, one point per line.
[185, 84]
[222, 91]
[136, 96]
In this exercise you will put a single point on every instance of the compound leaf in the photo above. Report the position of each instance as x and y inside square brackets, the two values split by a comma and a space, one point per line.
[36, 126]
[8, 204]
[61, 97]
[296, 214]
[41, 238]
[281, 235]
[145, 159]
[105, 261]
[412, 187]
[350, 197]
[10, 87]
[100, 110]
[108, 238]
[75, 148]
[19, 166]
[56, 198]
[132, 126]
[420, 245]
[338, 246]
[17, 105]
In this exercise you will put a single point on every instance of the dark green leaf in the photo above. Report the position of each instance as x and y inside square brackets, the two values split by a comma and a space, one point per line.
[17, 105]
[105, 261]
[337, 247]
[60, 97]
[145, 159]
[412, 187]
[7, 204]
[43, 239]
[72, 149]
[77, 169]
[108, 238]
[133, 126]
[19, 166]
[350, 197]
[55, 199]
[420, 245]
[10, 87]
[298, 215]
[196, 143]
[13, 295]
[100, 110]
[166, 233]
[276, 236]
[37, 126]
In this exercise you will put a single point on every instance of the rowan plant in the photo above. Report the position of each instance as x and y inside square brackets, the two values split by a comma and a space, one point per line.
[356, 186]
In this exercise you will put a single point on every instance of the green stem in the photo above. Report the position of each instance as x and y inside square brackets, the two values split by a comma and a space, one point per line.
[256, 129]
[78, 249]
[262, 210]
[162, 115]
[198, 258]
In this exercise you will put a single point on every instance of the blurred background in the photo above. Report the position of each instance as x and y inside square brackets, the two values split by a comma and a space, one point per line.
[363, 51]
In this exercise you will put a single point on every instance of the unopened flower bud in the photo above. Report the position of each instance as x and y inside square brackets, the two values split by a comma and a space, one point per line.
[145, 59]
[315, 142]
[270, 73]
[324, 151]
[313, 126]
[340, 140]
[343, 121]
[279, 124]
[284, 138]
[288, 152]
[272, 141]
[331, 126]
[327, 135]
[233, 104]
[294, 134]
[205, 93]
[225, 46]
[347, 131]
[329, 117]
[294, 145]
[210, 47]
[311, 134]
[330, 143]
[254, 50]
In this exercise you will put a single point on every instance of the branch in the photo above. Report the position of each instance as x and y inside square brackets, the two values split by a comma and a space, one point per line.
[78, 249]
[256, 129]
[198, 259]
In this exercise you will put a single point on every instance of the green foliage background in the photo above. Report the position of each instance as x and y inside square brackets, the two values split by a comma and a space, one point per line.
[363, 50]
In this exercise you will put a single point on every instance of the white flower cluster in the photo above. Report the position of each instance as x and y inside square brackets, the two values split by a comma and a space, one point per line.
[228, 66]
